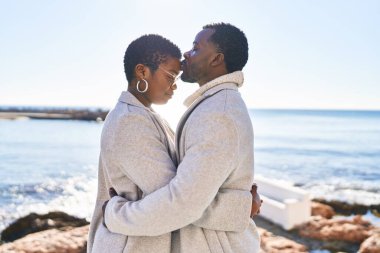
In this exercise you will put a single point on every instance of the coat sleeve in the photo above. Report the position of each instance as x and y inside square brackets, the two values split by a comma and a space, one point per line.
[136, 151]
[211, 156]
[222, 215]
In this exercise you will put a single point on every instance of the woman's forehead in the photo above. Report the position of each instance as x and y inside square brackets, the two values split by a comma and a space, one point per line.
[171, 64]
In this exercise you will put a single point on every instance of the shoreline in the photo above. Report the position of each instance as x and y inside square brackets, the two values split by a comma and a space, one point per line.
[274, 239]
[54, 114]
[347, 209]
[341, 209]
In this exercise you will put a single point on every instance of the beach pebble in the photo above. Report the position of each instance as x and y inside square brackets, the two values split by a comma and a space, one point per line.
[371, 245]
[355, 230]
[322, 210]
[271, 243]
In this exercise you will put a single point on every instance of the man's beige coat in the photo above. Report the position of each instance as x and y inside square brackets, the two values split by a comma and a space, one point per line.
[215, 152]
[138, 157]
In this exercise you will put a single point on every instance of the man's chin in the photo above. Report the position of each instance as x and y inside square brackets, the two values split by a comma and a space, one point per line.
[187, 79]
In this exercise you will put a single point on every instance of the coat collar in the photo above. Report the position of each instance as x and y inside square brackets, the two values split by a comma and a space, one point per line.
[235, 78]
[129, 98]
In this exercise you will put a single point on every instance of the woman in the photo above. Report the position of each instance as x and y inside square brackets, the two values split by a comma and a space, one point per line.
[137, 148]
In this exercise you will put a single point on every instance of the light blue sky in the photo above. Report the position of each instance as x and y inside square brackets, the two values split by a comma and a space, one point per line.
[303, 53]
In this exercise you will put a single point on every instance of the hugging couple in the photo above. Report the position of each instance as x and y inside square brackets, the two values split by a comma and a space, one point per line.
[185, 192]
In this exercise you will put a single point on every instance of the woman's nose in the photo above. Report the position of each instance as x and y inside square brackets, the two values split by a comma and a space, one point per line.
[186, 54]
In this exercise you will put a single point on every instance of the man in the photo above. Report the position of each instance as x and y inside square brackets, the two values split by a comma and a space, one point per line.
[214, 142]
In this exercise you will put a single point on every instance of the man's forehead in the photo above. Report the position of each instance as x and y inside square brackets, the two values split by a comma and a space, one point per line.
[203, 36]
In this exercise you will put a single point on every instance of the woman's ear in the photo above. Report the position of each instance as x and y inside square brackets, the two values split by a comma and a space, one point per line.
[141, 71]
[218, 59]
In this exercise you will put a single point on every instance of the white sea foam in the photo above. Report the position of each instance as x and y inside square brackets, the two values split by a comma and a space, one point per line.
[75, 196]
[353, 193]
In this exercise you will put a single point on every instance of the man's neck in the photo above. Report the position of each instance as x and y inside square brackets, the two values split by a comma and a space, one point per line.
[211, 77]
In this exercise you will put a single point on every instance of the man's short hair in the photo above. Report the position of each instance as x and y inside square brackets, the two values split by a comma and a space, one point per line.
[232, 42]
[150, 50]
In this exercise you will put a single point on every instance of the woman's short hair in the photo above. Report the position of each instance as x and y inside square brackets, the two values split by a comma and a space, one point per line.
[232, 42]
[150, 50]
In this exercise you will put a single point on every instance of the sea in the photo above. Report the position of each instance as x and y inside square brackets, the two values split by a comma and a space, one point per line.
[48, 165]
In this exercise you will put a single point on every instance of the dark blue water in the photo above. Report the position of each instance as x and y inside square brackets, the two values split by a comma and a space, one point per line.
[333, 154]
[52, 165]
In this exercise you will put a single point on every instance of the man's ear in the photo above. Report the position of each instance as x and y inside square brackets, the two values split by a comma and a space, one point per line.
[141, 71]
[217, 60]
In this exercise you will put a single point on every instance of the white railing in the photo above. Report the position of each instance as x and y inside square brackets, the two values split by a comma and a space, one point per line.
[284, 204]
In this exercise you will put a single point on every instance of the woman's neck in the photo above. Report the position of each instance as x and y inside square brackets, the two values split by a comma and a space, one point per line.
[140, 96]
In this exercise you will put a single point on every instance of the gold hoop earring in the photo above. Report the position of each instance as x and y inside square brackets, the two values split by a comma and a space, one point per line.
[138, 87]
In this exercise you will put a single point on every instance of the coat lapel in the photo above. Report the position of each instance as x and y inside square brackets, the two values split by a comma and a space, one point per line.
[181, 125]
[169, 135]
[186, 115]
[165, 130]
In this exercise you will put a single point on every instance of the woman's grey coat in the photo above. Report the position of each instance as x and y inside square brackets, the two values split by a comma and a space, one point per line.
[215, 152]
[138, 157]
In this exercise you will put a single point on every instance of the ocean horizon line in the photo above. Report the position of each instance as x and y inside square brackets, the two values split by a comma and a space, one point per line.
[83, 107]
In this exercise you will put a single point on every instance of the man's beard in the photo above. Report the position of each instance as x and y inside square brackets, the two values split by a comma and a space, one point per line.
[188, 79]
[185, 76]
